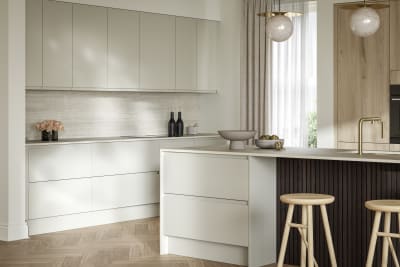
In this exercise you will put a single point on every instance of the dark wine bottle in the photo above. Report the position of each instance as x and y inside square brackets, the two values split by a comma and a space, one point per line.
[171, 126]
[179, 125]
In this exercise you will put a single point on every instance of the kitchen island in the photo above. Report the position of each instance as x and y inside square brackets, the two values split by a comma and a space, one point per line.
[223, 205]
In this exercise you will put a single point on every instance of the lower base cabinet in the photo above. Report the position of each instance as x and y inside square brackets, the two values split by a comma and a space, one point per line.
[206, 219]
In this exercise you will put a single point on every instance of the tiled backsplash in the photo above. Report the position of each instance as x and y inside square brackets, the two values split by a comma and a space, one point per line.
[103, 114]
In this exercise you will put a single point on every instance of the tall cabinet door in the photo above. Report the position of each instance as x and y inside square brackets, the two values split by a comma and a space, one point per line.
[57, 44]
[207, 35]
[90, 47]
[157, 51]
[123, 48]
[186, 53]
[34, 43]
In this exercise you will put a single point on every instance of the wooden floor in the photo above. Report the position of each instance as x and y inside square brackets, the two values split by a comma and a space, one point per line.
[134, 243]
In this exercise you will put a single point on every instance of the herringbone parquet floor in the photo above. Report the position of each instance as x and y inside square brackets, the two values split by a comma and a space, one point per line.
[133, 244]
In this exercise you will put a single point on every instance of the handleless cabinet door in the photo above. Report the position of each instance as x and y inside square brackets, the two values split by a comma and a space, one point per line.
[89, 47]
[34, 43]
[56, 198]
[157, 51]
[186, 53]
[394, 35]
[207, 34]
[123, 48]
[57, 44]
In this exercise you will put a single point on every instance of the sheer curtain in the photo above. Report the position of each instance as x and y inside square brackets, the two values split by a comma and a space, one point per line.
[292, 88]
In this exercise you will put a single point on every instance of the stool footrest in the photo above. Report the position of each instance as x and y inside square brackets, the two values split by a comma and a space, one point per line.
[297, 225]
[392, 235]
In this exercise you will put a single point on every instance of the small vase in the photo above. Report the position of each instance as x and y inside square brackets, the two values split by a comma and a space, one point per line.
[45, 136]
[54, 136]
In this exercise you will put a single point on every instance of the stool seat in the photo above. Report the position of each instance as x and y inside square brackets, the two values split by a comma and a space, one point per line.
[384, 205]
[307, 199]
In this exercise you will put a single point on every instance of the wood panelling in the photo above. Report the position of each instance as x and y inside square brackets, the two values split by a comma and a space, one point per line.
[362, 78]
[352, 183]
[395, 35]
[395, 77]
[366, 146]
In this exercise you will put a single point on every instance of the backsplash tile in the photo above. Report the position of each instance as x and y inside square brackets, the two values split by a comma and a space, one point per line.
[105, 114]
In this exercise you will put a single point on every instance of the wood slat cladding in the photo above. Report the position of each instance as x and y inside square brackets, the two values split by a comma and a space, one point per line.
[352, 183]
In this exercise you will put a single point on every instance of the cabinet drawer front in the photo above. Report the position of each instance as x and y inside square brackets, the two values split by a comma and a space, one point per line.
[125, 190]
[59, 162]
[205, 219]
[206, 175]
[47, 199]
[125, 157]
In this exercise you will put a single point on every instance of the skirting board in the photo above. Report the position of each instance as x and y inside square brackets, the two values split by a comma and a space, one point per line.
[13, 232]
[74, 221]
[208, 251]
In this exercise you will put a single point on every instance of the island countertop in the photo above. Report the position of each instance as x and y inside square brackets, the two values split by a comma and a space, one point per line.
[299, 153]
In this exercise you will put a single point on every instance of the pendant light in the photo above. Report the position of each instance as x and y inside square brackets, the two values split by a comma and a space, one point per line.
[365, 21]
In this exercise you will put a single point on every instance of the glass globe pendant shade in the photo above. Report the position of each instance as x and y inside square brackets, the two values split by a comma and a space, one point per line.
[279, 28]
[365, 21]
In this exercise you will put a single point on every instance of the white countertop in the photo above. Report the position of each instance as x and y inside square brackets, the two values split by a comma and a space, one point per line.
[116, 139]
[300, 153]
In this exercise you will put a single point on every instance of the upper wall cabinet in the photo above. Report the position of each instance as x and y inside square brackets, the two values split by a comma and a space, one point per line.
[90, 47]
[362, 79]
[57, 44]
[395, 35]
[34, 43]
[207, 34]
[186, 53]
[157, 51]
[123, 48]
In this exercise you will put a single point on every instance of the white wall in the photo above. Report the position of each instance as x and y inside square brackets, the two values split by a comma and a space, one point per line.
[12, 119]
[202, 9]
[325, 76]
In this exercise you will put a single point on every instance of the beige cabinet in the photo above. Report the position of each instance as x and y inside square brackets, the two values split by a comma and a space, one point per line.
[207, 56]
[362, 79]
[57, 44]
[89, 47]
[395, 35]
[186, 53]
[34, 40]
[123, 49]
[157, 51]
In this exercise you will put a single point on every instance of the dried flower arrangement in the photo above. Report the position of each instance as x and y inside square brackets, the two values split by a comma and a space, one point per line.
[50, 125]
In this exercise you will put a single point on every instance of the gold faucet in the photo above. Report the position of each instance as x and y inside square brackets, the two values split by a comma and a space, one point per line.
[360, 130]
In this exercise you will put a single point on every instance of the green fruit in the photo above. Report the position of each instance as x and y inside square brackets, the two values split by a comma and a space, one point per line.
[264, 137]
[274, 137]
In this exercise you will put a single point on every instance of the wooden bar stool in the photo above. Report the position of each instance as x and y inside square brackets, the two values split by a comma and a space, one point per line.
[388, 207]
[307, 201]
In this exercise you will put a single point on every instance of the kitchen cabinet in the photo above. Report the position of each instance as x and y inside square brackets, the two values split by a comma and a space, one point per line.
[207, 56]
[89, 47]
[110, 192]
[57, 44]
[59, 162]
[394, 36]
[125, 157]
[362, 79]
[157, 51]
[34, 39]
[186, 53]
[123, 49]
[47, 199]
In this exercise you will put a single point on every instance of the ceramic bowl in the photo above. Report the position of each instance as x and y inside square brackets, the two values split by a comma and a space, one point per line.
[268, 144]
[237, 138]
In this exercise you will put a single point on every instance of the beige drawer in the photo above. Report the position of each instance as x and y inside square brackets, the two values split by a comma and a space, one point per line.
[206, 219]
[206, 175]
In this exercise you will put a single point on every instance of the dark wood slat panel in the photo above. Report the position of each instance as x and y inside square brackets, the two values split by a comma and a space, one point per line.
[352, 183]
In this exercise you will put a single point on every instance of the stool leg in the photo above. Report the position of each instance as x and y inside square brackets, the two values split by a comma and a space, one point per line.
[285, 236]
[398, 219]
[328, 236]
[374, 236]
[310, 236]
[303, 242]
[385, 248]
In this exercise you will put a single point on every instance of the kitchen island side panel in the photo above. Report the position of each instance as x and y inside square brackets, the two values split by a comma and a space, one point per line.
[352, 183]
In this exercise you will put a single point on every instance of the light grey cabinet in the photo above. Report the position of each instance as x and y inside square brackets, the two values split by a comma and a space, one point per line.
[157, 51]
[207, 75]
[34, 43]
[186, 53]
[123, 48]
[89, 47]
[57, 44]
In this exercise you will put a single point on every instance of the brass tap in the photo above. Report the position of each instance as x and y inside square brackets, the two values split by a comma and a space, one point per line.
[360, 130]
